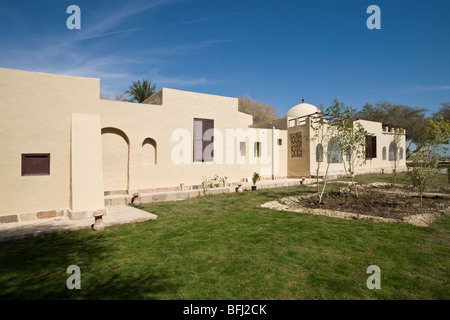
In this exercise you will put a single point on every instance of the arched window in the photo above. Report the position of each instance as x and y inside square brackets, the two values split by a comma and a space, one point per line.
[392, 151]
[149, 151]
[401, 154]
[384, 153]
[319, 153]
[334, 152]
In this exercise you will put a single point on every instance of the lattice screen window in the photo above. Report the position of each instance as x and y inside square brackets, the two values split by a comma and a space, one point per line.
[296, 144]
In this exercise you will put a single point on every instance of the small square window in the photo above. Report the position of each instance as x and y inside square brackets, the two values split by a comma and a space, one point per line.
[35, 164]
[280, 142]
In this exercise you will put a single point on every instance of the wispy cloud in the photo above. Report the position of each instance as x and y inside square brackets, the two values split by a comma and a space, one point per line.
[73, 54]
[93, 36]
[107, 22]
[199, 20]
[433, 88]
[106, 68]
[112, 87]
[178, 80]
[165, 81]
[187, 47]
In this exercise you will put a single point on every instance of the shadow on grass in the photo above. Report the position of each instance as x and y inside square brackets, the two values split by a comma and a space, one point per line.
[36, 268]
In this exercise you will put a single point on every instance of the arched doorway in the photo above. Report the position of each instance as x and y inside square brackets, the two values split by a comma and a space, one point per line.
[116, 154]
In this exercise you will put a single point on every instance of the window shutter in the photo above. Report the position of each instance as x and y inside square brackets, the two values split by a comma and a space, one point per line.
[257, 150]
[374, 147]
[368, 147]
[208, 125]
[198, 140]
[201, 126]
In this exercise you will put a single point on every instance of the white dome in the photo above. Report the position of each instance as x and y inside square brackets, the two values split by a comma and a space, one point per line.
[302, 109]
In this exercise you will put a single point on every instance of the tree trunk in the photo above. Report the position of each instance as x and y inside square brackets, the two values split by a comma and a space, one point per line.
[317, 182]
[324, 184]
[354, 185]
[351, 174]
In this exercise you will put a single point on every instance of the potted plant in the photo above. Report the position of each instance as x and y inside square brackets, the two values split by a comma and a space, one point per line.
[255, 178]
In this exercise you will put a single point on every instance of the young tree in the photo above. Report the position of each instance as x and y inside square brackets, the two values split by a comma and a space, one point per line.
[321, 135]
[426, 157]
[396, 143]
[353, 137]
[328, 127]
[423, 171]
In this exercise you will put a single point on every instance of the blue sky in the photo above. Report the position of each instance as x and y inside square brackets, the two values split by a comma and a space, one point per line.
[276, 51]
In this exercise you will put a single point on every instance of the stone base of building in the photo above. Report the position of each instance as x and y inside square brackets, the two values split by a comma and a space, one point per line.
[19, 217]
[50, 214]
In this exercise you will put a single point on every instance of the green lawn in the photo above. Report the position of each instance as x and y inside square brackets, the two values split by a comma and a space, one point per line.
[227, 247]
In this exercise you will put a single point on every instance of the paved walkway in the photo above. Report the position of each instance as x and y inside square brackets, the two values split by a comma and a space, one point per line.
[117, 215]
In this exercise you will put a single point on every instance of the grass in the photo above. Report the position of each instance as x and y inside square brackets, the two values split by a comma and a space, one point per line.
[227, 247]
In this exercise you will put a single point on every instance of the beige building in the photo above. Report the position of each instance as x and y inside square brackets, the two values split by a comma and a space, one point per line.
[64, 149]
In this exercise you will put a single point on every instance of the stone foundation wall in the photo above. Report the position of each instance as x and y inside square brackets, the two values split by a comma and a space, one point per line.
[39, 215]
[33, 216]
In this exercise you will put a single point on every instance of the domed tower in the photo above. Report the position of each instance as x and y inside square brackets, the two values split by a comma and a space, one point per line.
[301, 110]
[299, 146]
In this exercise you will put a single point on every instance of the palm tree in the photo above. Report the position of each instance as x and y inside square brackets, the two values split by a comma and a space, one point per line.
[141, 91]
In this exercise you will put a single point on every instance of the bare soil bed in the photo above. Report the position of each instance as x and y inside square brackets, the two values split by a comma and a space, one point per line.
[376, 202]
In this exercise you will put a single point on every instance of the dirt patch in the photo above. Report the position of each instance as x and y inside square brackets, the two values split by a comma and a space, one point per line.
[377, 202]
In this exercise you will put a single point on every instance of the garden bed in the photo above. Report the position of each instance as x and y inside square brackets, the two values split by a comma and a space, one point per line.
[376, 202]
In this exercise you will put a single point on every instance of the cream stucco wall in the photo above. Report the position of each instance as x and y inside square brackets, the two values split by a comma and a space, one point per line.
[51, 115]
[86, 163]
[99, 145]
[163, 123]
[384, 138]
[374, 165]
[35, 117]
[307, 165]
[299, 167]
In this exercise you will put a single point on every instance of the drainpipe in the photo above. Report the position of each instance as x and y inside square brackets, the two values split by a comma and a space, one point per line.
[273, 146]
